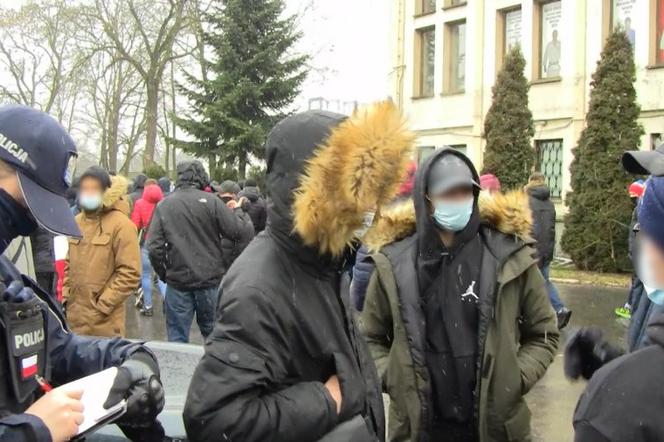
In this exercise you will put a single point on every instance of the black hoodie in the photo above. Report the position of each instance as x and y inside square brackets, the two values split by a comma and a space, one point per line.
[284, 325]
[624, 399]
[445, 275]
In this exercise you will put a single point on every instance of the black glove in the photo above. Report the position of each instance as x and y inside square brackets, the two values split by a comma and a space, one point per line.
[139, 383]
[586, 352]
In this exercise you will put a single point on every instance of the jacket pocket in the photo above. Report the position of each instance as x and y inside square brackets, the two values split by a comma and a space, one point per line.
[518, 426]
[235, 354]
[101, 240]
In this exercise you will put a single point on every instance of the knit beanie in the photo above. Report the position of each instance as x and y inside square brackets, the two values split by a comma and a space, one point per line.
[651, 211]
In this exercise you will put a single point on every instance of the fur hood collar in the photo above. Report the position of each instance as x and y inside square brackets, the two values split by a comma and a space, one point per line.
[114, 195]
[357, 169]
[507, 213]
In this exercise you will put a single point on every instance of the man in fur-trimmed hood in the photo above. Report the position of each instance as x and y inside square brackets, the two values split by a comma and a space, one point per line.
[457, 316]
[285, 361]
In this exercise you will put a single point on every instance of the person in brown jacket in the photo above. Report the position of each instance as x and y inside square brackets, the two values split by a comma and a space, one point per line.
[104, 267]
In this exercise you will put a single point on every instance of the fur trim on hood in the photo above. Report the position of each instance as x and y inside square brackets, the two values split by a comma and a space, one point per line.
[508, 213]
[113, 196]
[359, 168]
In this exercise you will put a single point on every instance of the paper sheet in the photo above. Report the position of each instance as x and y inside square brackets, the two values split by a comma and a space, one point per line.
[95, 391]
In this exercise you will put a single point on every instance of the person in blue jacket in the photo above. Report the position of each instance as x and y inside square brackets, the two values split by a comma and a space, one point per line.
[36, 158]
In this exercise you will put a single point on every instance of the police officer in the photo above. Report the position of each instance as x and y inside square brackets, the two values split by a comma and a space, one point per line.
[36, 160]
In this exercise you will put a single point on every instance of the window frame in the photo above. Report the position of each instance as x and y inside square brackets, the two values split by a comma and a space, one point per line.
[418, 72]
[447, 4]
[501, 31]
[652, 38]
[538, 163]
[447, 57]
[419, 8]
[538, 18]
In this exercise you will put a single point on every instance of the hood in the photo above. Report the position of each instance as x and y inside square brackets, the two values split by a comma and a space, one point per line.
[139, 181]
[114, 196]
[428, 238]
[541, 192]
[325, 170]
[153, 194]
[507, 213]
[358, 169]
[192, 174]
[164, 184]
[251, 193]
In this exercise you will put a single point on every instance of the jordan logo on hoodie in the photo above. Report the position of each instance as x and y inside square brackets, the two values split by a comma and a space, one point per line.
[469, 295]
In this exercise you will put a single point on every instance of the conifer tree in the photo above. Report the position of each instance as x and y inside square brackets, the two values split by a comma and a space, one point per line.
[596, 226]
[249, 81]
[508, 127]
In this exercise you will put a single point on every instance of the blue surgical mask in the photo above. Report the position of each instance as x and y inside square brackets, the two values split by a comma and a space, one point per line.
[90, 203]
[453, 215]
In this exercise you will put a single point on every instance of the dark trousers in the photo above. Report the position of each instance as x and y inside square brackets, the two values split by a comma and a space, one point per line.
[181, 307]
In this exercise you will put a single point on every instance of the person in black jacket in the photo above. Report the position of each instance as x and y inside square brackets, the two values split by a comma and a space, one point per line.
[623, 400]
[544, 232]
[43, 258]
[185, 248]
[286, 361]
[137, 188]
[36, 158]
[257, 208]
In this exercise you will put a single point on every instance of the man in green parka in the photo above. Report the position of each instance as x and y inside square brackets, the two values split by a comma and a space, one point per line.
[457, 315]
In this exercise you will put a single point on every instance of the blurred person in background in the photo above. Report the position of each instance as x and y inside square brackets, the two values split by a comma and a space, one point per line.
[43, 257]
[165, 185]
[490, 183]
[186, 241]
[103, 268]
[544, 232]
[228, 190]
[141, 217]
[635, 191]
[256, 206]
[137, 188]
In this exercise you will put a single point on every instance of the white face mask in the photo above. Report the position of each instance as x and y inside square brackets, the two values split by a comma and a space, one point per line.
[367, 222]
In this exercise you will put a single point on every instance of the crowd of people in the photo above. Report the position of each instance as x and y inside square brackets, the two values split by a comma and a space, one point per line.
[359, 274]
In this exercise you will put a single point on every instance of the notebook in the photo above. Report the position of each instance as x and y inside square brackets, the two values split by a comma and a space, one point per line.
[95, 391]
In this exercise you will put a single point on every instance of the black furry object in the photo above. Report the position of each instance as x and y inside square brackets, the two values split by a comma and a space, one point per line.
[587, 351]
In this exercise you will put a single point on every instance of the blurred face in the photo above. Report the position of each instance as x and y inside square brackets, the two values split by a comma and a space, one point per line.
[653, 258]
[458, 194]
[9, 183]
[90, 194]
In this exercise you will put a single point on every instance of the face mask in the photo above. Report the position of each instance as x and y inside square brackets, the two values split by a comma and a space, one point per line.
[90, 203]
[367, 222]
[453, 216]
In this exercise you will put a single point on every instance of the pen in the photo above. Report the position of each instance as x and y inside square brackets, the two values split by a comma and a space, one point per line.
[45, 386]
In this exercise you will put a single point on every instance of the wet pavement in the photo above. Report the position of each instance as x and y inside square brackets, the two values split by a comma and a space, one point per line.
[552, 400]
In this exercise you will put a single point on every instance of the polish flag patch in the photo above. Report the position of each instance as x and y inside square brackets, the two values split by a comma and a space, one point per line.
[29, 366]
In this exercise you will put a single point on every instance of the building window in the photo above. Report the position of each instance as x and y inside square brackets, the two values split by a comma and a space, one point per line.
[425, 53]
[453, 3]
[423, 7]
[508, 33]
[423, 152]
[463, 148]
[657, 39]
[550, 163]
[655, 140]
[621, 17]
[548, 49]
[455, 58]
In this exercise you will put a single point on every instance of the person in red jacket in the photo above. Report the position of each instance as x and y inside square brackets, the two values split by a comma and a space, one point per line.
[141, 216]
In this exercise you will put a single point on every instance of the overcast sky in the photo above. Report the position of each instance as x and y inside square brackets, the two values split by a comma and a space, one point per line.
[348, 41]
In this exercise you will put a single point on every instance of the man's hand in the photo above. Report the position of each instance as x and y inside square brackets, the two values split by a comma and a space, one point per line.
[333, 387]
[137, 383]
[61, 411]
[232, 204]
[586, 352]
